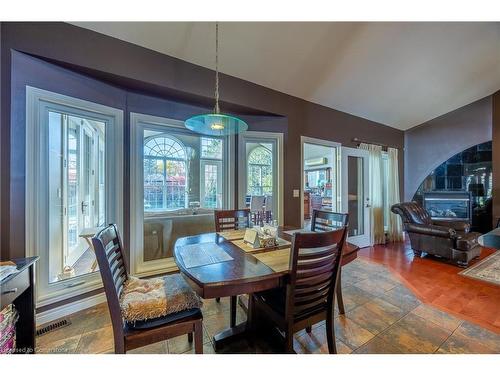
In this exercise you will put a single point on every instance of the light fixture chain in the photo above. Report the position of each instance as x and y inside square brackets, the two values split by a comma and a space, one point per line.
[217, 109]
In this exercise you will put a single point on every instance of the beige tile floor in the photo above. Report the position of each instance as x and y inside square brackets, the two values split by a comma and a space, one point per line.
[382, 316]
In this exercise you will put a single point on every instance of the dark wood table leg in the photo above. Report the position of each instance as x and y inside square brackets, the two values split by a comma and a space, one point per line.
[234, 332]
[229, 335]
[340, 301]
[232, 310]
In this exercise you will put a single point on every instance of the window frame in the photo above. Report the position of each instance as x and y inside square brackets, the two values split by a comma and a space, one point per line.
[278, 163]
[38, 102]
[260, 168]
[164, 172]
[138, 123]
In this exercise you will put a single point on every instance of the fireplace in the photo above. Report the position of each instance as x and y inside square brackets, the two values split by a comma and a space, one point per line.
[445, 205]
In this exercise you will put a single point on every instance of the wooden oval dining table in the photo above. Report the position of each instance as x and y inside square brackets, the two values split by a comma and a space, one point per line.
[243, 270]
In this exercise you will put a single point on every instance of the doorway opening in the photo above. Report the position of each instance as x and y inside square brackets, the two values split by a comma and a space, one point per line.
[320, 177]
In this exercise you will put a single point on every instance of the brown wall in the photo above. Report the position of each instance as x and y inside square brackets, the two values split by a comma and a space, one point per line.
[136, 68]
[435, 141]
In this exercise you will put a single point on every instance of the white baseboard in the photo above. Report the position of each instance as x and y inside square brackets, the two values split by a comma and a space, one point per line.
[70, 308]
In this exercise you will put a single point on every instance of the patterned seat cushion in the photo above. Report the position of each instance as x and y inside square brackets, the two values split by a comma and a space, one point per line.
[144, 299]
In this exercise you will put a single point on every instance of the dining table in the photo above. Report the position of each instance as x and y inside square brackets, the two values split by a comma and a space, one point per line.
[221, 264]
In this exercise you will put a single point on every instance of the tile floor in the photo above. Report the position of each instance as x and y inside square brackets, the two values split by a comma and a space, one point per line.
[382, 316]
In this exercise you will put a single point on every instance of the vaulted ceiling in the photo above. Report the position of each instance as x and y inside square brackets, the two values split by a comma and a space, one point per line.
[397, 74]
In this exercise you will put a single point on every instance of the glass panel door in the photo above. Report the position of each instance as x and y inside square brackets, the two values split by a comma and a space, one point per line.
[76, 186]
[355, 191]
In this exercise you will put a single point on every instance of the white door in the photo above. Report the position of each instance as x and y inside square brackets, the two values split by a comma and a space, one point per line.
[355, 194]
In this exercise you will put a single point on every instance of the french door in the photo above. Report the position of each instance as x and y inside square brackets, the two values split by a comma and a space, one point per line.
[73, 185]
[355, 194]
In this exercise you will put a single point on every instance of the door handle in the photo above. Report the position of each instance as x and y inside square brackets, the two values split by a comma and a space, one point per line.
[84, 207]
[10, 291]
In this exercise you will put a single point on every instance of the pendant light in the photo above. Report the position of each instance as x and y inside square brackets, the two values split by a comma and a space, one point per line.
[216, 123]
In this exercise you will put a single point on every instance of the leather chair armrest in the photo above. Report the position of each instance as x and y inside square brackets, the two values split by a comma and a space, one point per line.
[431, 230]
[460, 226]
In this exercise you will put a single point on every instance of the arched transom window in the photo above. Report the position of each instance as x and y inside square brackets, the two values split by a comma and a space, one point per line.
[164, 173]
[260, 171]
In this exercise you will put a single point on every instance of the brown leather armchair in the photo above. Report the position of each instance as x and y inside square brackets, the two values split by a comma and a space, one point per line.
[447, 239]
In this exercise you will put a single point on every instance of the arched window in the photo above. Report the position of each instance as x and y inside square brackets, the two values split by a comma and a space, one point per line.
[164, 173]
[260, 171]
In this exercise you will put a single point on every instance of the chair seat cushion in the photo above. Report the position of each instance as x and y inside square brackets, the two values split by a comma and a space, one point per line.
[170, 318]
[467, 241]
[145, 299]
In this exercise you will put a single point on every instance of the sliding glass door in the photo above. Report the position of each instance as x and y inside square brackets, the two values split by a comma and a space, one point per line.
[73, 161]
[178, 179]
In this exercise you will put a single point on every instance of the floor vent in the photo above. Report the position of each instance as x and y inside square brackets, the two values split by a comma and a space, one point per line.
[53, 326]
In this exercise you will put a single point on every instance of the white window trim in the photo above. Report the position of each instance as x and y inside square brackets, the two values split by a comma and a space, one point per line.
[137, 265]
[203, 162]
[320, 142]
[242, 160]
[35, 196]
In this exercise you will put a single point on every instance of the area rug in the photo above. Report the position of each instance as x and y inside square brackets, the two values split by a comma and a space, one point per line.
[486, 270]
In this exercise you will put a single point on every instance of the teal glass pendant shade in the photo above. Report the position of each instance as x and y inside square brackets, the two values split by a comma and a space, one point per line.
[216, 124]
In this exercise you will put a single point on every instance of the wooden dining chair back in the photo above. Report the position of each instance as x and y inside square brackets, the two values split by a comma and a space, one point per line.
[310, 292]
[113, 268]
[268, 212]
[326, 220]
[257, 209]
[257, 203]
[231, 219]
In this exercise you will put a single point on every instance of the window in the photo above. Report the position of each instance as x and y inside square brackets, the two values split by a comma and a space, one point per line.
[74, 181]
[164, 174]
[260, 170]
[211, 172]
[211, 148]
[177, 180]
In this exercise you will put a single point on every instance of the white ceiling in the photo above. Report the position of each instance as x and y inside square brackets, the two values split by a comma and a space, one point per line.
[398, 74]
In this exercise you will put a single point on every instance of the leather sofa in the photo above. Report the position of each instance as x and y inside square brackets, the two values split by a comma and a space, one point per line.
[447, 239]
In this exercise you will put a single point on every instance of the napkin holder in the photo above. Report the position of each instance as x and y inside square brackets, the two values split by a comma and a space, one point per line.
[259, 239]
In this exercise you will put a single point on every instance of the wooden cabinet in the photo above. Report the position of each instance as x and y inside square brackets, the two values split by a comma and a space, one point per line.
[19, 289]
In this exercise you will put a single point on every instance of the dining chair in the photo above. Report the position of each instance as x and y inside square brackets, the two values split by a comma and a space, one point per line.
[113, 268]
[268, 212]
[309, 295]
[257, 209]
[231, 220]
[325, 221]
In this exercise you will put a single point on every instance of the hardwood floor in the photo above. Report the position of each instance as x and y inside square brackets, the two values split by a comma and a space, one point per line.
[437, 282]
